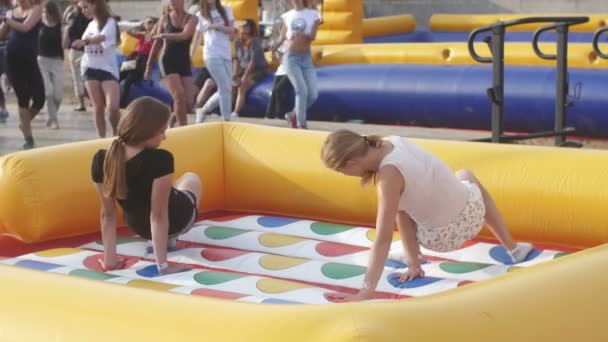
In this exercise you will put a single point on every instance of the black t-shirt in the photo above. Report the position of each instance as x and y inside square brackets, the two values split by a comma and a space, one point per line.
[142, 170]
[77, 24]
[50, 42]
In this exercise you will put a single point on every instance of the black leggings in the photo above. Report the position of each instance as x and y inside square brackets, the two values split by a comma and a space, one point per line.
[27, 82]
[277, 106]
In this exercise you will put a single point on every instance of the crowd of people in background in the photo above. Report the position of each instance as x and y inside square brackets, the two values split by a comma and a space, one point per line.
[35, 38]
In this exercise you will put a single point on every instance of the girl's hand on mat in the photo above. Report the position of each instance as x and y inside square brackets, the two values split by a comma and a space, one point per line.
[175, 268]
[118, 264]
[412, 273]
[345, 297]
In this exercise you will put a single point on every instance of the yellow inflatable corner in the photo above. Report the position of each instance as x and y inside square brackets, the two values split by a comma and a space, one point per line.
[381, 26]
[469, 22]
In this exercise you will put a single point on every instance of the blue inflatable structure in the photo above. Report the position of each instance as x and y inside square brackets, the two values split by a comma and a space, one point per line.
[451, 96]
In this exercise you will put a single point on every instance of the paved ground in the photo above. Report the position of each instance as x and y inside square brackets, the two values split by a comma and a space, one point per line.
[78, 126]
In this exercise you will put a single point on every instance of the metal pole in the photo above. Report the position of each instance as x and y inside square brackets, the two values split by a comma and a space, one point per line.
[562, 82]
[498, 81]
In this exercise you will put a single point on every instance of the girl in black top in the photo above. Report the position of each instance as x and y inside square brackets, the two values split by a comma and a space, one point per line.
[5, 6]
[21, 62]
[50, 60]
[137, 174]
[176, 28]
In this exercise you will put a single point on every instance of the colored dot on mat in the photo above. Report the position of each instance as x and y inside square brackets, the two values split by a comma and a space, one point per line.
[221, 254]
[57, 252]
[222, 233]
[217, 294]
[371, 235]
[278, 301]
[499, 253]
[331, 249]
[272, 240]
[214, 278]
[279, 262]
[560, 254]
[322, 228]
[461, 267]
[393, 279]
[125, 240]
[279, 286]
[227, 218]
[37, 265]
[151, 285]
[91, 274]
[465, 282]
[275, 222]
[150, 271]
[342, 271]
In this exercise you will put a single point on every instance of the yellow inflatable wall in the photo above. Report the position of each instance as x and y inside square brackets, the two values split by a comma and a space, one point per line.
[394, 24]
[341, 22]
[580, 55]
[546, 194]
[469, 22]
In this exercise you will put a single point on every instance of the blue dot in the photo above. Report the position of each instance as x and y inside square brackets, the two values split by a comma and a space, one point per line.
[278, 301]
[393, 279]
[275, 222]
[499, 253]
[37, 265]
[148, 271]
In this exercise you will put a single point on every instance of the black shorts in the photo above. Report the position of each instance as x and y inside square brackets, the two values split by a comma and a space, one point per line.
[169, 66]
[183, 212]
[255, 76]
[202, 76]
[98, 75]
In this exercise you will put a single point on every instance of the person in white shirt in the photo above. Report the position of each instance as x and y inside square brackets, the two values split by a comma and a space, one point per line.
[432, 206]
[98, 65]
[299, 30]
[277, 104]
[216, 27]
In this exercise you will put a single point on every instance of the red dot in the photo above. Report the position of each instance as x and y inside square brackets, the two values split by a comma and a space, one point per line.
[221, 254]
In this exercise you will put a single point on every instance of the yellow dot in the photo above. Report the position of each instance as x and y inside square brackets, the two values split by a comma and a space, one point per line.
[57, 252]
[151, 285]
[371, 235]
[279, 286]
[277, 240]
[278, 262]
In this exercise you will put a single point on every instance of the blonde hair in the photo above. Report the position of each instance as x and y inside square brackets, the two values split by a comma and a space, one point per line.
[145, 118]
[344, 145]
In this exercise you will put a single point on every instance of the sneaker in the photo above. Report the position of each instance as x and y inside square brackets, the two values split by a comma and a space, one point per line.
[200, 115]
[29, 145]
[291, 120]
[234, 116]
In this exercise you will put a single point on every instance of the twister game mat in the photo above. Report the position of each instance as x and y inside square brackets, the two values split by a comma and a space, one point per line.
[268, 259]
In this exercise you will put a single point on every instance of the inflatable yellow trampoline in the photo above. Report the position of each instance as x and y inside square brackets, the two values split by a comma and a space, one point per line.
[279, 232]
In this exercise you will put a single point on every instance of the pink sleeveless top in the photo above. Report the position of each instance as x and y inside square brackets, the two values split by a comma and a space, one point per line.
[433, 196]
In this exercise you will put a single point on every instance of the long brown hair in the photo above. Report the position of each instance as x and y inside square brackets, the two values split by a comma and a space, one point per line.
[344, 145]
[102, 14]
[52, 10]
[206, 11]
[144, 119]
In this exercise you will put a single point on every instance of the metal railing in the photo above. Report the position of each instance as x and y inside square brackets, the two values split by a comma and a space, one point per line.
[496, 92]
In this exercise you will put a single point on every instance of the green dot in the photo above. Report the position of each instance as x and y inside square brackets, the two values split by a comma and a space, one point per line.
[91, 274]
[221, 233]
[329, 228]
[125, 240]
[341, 271]
[214, 278]
[560, 254]
[462, 267]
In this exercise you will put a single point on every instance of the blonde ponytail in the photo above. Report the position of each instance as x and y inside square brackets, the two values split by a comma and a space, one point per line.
[115, 171]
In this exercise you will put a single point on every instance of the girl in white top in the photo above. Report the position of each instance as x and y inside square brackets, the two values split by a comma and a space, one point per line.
[299, 30]
[98, 64]
[216, 27]
[433, 207]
